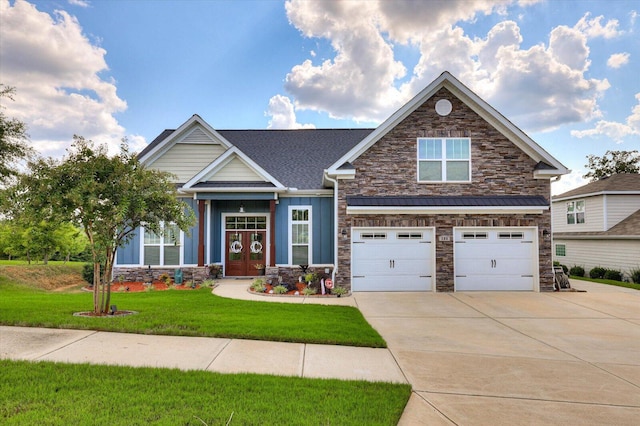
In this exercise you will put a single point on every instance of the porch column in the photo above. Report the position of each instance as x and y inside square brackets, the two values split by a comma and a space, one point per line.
[272, 226]
[201, 221]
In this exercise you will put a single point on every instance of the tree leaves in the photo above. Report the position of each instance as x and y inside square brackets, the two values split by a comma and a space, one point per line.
[612, 162]
[109, 197]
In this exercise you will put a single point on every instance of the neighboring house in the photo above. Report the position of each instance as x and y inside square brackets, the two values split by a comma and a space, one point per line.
[445, 195]
[598, 224]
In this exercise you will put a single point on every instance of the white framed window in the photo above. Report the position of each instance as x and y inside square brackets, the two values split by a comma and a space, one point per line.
[575, 212]
[444, 160]
[300, 235]
[561, 250]
[162, 250]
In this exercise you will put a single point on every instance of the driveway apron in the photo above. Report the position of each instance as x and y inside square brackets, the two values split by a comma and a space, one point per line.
[515, 358]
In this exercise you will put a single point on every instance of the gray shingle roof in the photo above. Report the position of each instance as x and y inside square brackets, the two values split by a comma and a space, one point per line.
[296, 158]
[626, 182]
[449, 201]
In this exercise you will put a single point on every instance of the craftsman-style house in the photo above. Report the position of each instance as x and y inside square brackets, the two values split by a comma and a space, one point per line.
[445, 195]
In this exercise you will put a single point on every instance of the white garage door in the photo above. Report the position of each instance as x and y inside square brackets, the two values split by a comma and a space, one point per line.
[392, 259]
[495, 259]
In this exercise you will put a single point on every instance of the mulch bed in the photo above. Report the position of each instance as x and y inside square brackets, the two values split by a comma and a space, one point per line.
[138, 286]
[299, 288]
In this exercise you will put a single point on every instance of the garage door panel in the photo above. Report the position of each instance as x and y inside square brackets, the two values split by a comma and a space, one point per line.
[391, 283]
[494, 259]
[473, 266]
[371, 267]
[385, 259]
[494, 283]
[416, 266]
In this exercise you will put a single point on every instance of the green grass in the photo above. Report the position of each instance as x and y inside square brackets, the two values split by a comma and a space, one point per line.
[189, 313]
[22, 262]
[608, 282]
[63, 394]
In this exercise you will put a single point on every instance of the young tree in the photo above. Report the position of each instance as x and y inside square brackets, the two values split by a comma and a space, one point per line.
[13, 139]
[109, 197]
[611, 163]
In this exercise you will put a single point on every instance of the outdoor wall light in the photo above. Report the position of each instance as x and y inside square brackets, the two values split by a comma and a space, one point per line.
[344, 233]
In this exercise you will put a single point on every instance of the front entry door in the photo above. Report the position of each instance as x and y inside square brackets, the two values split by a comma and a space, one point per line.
[245, 250]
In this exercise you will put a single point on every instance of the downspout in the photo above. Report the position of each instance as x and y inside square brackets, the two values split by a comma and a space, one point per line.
[335, 226]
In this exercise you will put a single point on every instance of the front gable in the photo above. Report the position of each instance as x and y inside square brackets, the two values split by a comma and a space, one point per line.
[457, 116]
[186, 150]
[232, 169]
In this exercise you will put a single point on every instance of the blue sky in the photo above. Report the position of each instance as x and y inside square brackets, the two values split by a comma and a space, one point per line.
[565, 72]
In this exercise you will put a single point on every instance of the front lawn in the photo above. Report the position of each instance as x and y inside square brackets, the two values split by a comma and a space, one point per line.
[188, 313]
[63, 394]
[608, 282]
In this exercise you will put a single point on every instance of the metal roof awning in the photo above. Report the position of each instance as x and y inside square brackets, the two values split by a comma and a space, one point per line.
[446, 204]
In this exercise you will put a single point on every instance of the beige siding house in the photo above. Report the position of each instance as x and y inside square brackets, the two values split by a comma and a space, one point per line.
[599, 224]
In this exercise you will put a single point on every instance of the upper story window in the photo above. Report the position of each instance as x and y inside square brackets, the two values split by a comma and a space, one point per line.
[575, 212]
[444, 160]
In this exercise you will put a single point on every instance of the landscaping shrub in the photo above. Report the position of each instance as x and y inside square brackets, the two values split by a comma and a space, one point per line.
[280, 289]
[597, 272]
[612, 274]
[87, 272]
[576, 271]
[635, 275]
[564, 267]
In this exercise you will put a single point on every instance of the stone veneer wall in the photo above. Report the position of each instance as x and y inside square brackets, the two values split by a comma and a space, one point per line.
[292, 274]
[189, 273]
[498, 167]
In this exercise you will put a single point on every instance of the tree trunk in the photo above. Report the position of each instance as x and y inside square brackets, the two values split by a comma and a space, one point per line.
[108, 274]
[45, 259]
[96, 286]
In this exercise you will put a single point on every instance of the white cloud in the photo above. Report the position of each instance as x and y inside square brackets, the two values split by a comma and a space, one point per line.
[81, 3]
[617, 60]
[358, 82]
[568, 182]
[56, 71]
[593, 28]
[614, 130]
[283, 115]
[539, 88]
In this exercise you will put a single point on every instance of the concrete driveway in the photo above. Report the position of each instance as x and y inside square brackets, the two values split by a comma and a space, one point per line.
[515, 358]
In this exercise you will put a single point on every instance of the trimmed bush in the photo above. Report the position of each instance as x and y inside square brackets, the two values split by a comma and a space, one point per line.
[564, 267]
[87, 272]
[576, 271]
[597, 272]
[635, 275]
[612, 274]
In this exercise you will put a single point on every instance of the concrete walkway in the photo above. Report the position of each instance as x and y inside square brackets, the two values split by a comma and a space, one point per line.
[472, 358]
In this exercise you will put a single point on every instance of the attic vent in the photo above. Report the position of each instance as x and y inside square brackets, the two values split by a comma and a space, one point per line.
[443, 107]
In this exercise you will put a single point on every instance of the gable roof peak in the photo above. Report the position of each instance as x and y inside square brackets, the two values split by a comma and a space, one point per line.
[483, 109]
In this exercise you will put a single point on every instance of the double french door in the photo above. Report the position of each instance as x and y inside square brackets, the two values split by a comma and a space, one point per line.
[245, 252]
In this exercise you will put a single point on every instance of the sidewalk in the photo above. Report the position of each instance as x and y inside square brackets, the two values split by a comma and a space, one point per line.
[204, 353]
